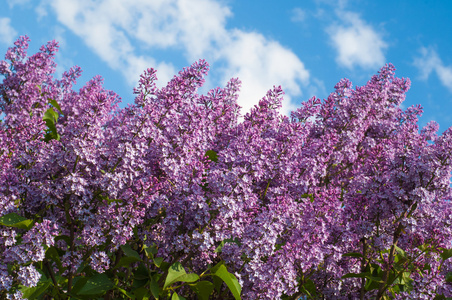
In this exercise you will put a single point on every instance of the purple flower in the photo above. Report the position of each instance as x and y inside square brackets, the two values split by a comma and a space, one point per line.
[100, 262]
[28, 276]
[282, 201]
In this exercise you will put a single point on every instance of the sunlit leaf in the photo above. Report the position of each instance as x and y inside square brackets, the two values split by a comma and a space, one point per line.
[230, 280]
[177, 297]
[14, 220]
[55, 104]
[177, 273]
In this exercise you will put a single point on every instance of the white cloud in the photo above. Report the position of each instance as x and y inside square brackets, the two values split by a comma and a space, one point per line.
[298, 15]
[118, 31]
[429, 62]
[261, 64]
[7, 32]
[196, 26]
[12, 3]
[356, 42]
[101, 26]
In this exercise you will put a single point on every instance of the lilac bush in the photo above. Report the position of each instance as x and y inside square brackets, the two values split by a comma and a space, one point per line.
[176, 196]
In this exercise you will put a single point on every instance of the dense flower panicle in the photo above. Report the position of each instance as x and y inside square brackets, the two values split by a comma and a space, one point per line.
[100, 262]
[15, 296]
[281, 200]
[6, 279]
[42, 234]
[28, 276]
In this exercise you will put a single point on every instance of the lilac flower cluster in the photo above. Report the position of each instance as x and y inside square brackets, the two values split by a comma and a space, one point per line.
[344, 199]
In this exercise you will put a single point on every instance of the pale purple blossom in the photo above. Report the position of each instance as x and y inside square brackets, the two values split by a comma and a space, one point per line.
[28, 276]
[100, 261]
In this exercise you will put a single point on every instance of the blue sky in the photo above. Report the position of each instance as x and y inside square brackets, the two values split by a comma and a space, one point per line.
[304, 46]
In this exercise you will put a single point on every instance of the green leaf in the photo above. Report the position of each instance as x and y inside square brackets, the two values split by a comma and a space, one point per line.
[310, 288]
[192, 277]
[142, 293]
[353, 254]
[177, 273]
[217, 282]
[129, 252]
[375, 268]
[400, 251]
[177, 297]
[371, 285]
[216, 267]
[446, 254]
[79, 283]
[83, 266]
[279, 246]
[51, 136]
[150, 251]
[212, 155]
[406, 277]
[14, 220]
[50, 115]
[158, 261]
[449, 277]
[230, 280]
[130, 256]
[164, 266]
[203, 289]
[310, 196]
[126, 293]
[125, 261]
[35, 292]
[399, 262]
[375, 279]
[220, 247]
[424, 247]
[176, 270]
[55, 104]
[142, 272]
[51, 128]
[98, 284]
[155, 289]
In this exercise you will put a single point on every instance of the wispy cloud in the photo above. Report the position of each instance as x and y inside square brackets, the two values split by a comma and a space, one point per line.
[101, 25]
[356, 42]
[118, 31]
[12, 3]
[7, 32]
[428, 62]
[298, 15]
